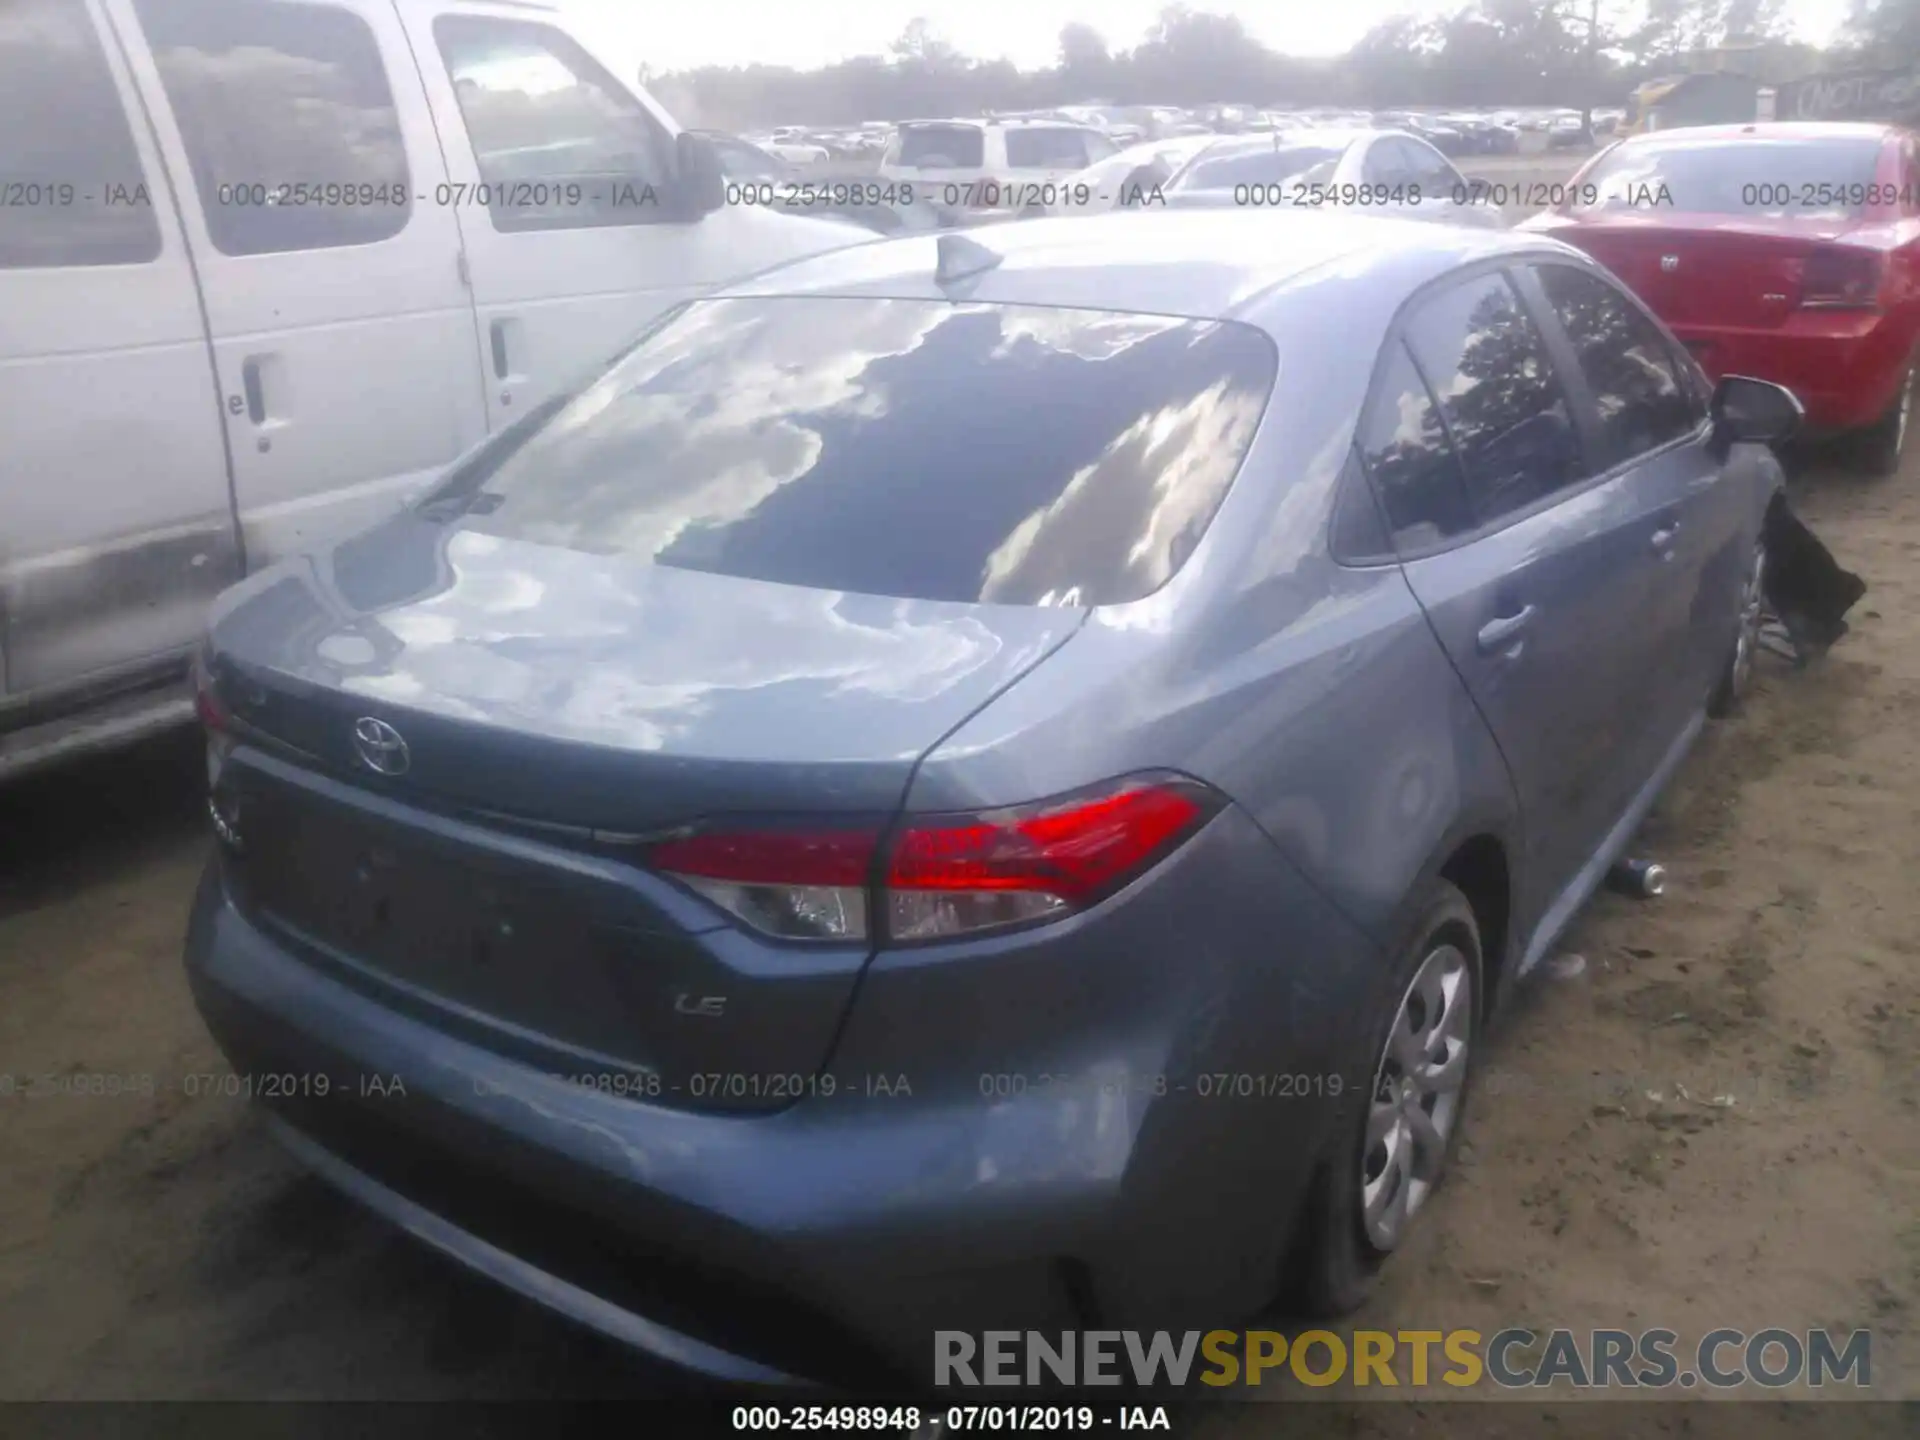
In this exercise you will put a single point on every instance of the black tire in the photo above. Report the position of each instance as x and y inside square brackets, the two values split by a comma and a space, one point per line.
[1333, 1263]
[1736, 677]
[1883, 444]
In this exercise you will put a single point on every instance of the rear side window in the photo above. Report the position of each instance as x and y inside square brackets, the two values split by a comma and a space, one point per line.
[288, 121]
[1406, 451]
[1422, 165]
[71, 188]
[1038, 148]
[1503, 406]
[1256, 167]
[1627, 363]
[942, 147]
[893, 447]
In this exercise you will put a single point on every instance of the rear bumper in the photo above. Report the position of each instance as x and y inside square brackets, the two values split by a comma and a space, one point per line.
[1845, 365]
[831, 1239]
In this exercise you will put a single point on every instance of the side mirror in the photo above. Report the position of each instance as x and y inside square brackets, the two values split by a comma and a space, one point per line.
[699, 182]
[1755, 411]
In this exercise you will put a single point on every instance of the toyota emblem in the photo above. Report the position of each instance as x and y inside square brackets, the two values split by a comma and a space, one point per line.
[1669, 263]
[381, 747]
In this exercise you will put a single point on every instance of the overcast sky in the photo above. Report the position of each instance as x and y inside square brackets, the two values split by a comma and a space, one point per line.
[679, 34]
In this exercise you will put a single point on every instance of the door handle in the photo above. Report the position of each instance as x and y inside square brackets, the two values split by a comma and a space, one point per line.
[498, 335]
[1662, 539]
[254, 389]
[1497, 635]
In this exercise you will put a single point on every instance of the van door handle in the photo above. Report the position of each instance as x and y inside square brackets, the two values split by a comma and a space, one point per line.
[1662, 539]
[1497, 635]
[498, 336]
[255, 391]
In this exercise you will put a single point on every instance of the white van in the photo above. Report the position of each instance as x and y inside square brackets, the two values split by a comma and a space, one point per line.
[267, 266]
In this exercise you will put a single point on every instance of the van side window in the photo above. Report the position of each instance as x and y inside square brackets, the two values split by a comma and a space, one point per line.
[561, 145]
[71, 188]
[288, 121]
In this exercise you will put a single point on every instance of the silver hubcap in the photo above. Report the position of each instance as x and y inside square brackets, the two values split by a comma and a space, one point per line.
[1416, 1095]
[1906, 410]
[1752, 604]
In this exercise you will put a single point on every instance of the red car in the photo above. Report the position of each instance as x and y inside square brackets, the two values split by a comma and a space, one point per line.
[1789, 252]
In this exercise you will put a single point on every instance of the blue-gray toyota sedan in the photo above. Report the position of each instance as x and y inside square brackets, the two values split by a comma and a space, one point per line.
[978, 781]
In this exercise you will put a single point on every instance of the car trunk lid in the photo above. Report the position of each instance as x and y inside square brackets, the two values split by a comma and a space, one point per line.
[496, 879]
[1710, 270]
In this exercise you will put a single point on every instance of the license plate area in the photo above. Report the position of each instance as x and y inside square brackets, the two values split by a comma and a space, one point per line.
[544, 959]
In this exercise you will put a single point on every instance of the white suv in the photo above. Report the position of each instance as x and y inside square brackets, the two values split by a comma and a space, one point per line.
[1011, 165]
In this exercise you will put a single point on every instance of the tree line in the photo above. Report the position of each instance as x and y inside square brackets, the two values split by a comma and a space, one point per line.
[1577, 53]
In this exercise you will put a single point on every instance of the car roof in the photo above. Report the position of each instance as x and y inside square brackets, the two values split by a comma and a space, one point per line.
[1206, 264]
[1228, 147]
[1770, 130]
[1008, 124]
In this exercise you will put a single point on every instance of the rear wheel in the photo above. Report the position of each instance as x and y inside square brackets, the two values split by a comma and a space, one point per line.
[1398, 1136]
[1883, 444]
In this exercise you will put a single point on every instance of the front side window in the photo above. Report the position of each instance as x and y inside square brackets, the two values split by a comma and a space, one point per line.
[895, 447]
[71, 188]
[1488, 366]
[1627, 363]
[560, 144]
[288, 121]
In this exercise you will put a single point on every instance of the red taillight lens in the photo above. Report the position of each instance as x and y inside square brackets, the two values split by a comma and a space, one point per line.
[1842, 278]
[792, 883]
[953, 875]
[213, 716]
[206, 700]
[945, 875]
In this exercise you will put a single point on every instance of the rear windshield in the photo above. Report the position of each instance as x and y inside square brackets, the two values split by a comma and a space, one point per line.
[1747, 176]
[1008, 454]
[1037, 148]
[1255, 167]
[942, 147]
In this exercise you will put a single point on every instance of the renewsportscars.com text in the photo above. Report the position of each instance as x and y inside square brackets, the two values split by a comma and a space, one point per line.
[1511, 1359]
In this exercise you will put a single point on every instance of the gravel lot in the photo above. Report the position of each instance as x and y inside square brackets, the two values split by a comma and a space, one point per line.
[1716, 1124]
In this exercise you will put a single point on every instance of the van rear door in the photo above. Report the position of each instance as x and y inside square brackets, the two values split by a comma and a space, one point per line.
[115, 528]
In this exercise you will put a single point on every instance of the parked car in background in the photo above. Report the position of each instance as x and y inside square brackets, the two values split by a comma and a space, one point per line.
[996, 165]
[1382, 171]
[713, 807]
[306, 257]
[1568, 132]
[741, 159]
[1786, 251]
[793, 145]
[1126, 177]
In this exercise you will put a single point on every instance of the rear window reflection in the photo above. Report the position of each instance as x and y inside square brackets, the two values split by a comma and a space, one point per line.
[1014, 455]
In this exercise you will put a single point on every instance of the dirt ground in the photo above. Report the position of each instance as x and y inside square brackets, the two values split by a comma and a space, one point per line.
[1717, 1123]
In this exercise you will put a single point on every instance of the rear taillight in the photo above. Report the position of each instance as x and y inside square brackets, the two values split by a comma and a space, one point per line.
[942, 875]
[1839, 277]
[222, 808]
[207, 705]
[797, 884]
[950, 875]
